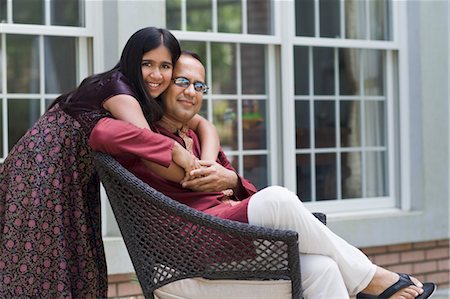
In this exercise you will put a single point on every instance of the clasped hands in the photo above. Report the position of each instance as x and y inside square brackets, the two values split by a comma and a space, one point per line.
[210, 176]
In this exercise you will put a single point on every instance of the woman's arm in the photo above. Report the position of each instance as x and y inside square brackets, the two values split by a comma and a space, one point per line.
[209, 139]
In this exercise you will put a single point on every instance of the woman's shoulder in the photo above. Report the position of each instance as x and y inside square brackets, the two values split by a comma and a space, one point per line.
[116, 82]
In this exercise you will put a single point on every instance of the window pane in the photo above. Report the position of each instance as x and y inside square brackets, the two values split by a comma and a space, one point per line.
[1, 66]
[304, 177]
[373, 72]
[254, 124]
[66, 12]
[229, 16]
[198, 15]
[60, 70]
[253, 69]
[255, 169]
[301, 70]
[223, 68]
[351, 175]
[259, 20]
[323, 71]
[48, 102]
[22, 114]
[197, 47]
[349, 71]
[173, 14]
[376, 178]
[204, 109]
[304, 17]
[350, 118]
[302, 126]
[234, 160]
[225, 120]
[325, 124]
[28, 11]
[329, 18]
[379, 19]
[375, 123]
[2, 11]
[23, 63]
[326, 176]
[355, 19]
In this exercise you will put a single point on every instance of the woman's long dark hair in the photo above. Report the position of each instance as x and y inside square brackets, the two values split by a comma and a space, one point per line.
[129, 65]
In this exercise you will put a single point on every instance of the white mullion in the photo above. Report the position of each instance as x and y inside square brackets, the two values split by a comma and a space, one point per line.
[342, 20]
[4, 99]
[47, 19]
[239, 108]
[42, 74]
[272, 116]
[183, 15]
[214, 12]
[363, 124]
[347, 43]
[209, 97]
[389, 71]
[287, 33]
[368, 19]
[82, 55]
[316, 19]
[312, 126]
[9, 11]
[337, 125]
[244, 17]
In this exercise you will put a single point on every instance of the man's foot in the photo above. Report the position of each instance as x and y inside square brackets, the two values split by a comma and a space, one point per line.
[390, 285]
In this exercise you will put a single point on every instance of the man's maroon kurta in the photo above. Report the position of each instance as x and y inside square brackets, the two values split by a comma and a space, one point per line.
[129, 144]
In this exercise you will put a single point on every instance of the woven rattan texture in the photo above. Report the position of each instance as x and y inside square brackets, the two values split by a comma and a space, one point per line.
[168, 241]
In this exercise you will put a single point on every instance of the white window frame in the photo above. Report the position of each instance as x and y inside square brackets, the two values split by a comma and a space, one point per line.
[84, 59]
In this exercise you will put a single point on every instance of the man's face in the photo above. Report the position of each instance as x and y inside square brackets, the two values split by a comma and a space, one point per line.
[181, 104]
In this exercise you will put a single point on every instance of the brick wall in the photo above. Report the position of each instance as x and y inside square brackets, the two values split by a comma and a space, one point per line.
[428, 261]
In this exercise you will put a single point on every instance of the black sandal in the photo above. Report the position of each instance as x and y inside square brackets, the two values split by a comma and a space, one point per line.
[403, 282]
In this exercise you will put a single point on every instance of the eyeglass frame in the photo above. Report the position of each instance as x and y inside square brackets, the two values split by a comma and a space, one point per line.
[186, 85]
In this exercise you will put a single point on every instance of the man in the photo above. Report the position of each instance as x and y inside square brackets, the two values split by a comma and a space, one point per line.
[331, 268]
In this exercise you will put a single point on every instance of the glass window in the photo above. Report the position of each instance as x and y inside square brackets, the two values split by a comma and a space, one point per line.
[223, 68]
[60, 70]
[254, 124]
[255, 170]
[229, 17]
[2, 11]
[198, 15]
[259, 16]
[253, 69]
[328, 18]
[225, 118]
[355, 153]
[22, 114]
[173, 14]
[66, 12]
[22, 63]
[28, 11]
[304, 17]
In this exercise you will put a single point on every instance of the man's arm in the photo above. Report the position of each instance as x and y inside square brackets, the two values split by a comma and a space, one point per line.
[156, 151]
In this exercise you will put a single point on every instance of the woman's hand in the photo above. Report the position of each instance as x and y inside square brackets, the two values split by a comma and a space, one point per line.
[185, 160]
[211, 177]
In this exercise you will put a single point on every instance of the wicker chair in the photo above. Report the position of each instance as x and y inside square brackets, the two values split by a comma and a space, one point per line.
[168, 241]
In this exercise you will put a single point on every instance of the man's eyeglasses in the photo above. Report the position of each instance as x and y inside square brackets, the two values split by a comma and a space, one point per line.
[185, 83]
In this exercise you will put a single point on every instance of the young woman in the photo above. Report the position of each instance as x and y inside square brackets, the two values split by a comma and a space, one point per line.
[50, 232]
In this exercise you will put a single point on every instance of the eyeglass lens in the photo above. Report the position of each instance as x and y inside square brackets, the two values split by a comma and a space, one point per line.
[184, 82]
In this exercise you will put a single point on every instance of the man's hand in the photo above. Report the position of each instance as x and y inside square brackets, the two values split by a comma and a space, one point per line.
[212, 177]
[184, 159]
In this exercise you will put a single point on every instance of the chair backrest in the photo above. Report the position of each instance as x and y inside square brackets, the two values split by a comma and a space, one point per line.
[168, 241]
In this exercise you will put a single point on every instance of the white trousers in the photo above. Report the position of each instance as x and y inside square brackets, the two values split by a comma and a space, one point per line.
[331, 267]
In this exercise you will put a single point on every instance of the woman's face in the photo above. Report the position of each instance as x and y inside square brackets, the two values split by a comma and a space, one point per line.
[157, 70]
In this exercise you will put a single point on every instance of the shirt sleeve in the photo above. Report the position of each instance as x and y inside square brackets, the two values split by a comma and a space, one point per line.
[245, 188]
[117, 137]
